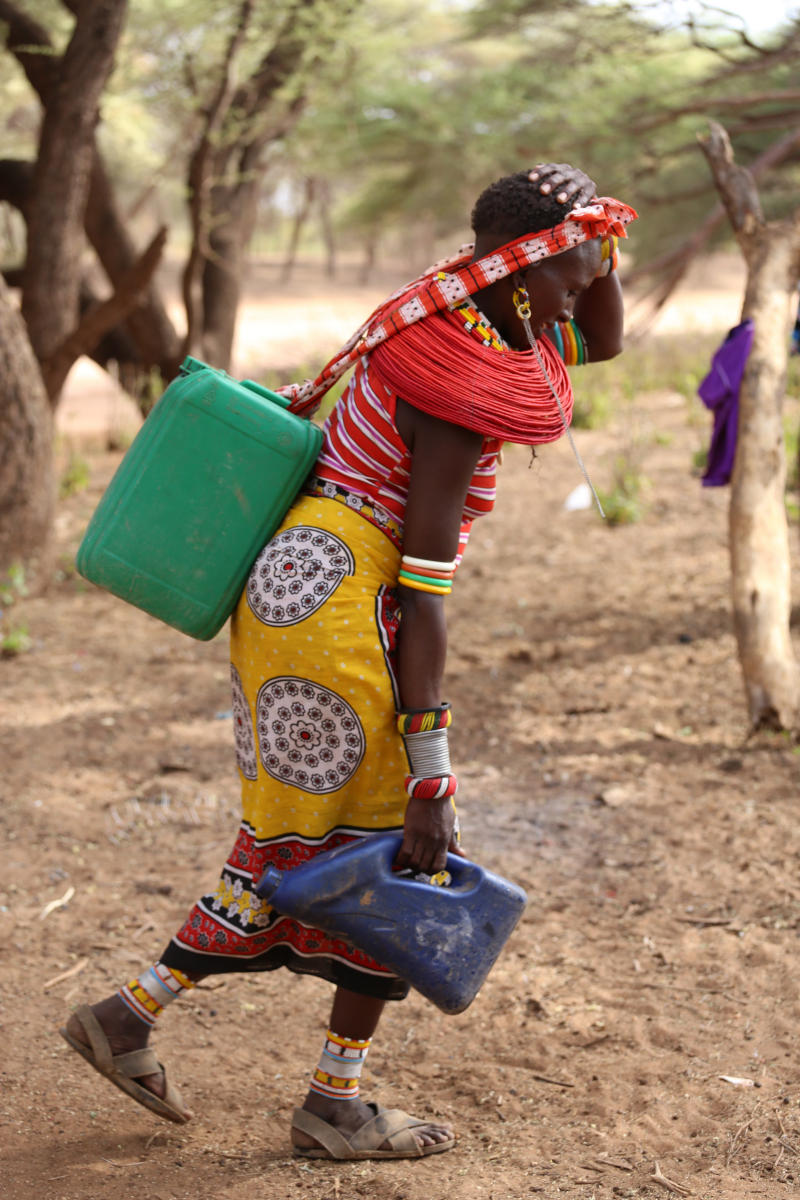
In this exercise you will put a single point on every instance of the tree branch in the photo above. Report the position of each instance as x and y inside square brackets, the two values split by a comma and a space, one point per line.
[677, 261]
[100, 318]
[199, 182]
[22, 34]
[735, 184]
[16, 175]
[702, 105]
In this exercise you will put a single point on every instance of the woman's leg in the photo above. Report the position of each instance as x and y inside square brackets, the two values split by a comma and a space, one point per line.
[355, 1017]
[126, 1030]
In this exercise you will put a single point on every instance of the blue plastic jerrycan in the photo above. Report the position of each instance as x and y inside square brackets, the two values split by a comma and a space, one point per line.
[441, 940]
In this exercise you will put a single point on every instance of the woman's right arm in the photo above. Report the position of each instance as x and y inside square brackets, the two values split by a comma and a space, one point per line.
[443, 461]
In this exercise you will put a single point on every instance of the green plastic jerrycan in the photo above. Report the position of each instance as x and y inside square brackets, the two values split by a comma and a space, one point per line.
[207, 480]
[441, 940]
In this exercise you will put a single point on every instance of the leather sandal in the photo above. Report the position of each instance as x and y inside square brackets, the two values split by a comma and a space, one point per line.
[123, 1070]
[389, 1126]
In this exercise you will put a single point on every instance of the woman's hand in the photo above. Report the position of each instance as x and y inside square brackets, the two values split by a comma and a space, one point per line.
[572, 184]
[428, 834]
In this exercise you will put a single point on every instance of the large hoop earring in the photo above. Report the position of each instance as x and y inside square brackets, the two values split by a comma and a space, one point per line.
[522, 303]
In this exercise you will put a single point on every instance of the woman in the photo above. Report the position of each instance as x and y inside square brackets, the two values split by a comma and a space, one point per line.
[339, 640]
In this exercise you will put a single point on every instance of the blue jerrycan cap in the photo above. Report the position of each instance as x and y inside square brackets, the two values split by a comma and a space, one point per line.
[441, 940]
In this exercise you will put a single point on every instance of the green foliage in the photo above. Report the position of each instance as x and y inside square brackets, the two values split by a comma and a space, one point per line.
[13, 585]
[75, 477]
[273, 380]
[14, 637]
[412, 107]
[596, 391]
[16, 641]
[623, 502]
[700, 461]
[791, 442]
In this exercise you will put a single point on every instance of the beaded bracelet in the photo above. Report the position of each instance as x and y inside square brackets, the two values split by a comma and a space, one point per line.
[422, 720]
[427, 575]
[432, 787]
[424, 733]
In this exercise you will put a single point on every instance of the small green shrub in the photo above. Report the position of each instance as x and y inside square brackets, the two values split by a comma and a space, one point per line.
[75, 478]
[623, 503]
[14, 638]
[14, 586]
[700, 461]
[16, 641]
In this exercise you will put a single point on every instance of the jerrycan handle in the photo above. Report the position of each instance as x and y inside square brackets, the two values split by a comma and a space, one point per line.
[464, 873]
[269, 883]
[252, 386]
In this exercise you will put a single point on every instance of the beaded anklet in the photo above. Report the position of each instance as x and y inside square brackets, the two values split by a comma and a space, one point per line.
[148, 995]
[339, 1069]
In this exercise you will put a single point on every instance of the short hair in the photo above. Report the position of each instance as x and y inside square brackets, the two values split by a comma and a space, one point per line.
[513, 206]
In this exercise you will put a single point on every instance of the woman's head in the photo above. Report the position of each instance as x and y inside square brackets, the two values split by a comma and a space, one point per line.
[511, 207]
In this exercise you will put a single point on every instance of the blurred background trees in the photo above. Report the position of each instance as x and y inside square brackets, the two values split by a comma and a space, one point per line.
[361, 127]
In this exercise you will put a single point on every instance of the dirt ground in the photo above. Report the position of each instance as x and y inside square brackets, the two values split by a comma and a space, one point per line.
[639, 1035]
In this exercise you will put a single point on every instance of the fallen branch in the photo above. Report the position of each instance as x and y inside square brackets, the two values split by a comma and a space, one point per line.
[54, 904]
[64, 975]
[619, 1163]
[735, 1145]
[669, 1184]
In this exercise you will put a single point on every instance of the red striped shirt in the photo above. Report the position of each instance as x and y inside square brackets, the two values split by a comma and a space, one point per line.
[364, 453]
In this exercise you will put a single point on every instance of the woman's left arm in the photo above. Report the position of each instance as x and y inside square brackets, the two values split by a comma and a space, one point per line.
[599, 316]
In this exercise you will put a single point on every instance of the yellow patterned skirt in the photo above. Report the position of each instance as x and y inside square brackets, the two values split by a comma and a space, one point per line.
[320, 758]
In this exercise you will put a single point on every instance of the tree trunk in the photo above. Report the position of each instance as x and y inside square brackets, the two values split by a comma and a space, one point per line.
[234, 208]
[759, 536]
[326, 221]
[27, 487]
[370, 254]
[298, 225]
[221, 294]
[51, 283]
[148, 322]
[261, 111]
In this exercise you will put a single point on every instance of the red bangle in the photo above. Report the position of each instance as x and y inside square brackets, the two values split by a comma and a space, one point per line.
[438, 787]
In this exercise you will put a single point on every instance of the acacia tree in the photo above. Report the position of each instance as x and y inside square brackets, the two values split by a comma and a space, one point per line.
[66, 197]
[27, 494]
[59, 337]
[32, 353]
[239, 121]
[759, 539]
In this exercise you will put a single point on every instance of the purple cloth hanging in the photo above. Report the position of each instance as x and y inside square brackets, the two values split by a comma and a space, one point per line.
[719, 391]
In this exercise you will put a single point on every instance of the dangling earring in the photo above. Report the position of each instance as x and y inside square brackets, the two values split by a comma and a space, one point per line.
[522, 303]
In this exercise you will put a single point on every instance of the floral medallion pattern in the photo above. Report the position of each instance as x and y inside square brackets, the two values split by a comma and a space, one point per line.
[308, 736]
[244, 739]
[296, 573]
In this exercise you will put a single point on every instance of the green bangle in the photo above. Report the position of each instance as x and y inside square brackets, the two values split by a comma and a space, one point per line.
[438, 583]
